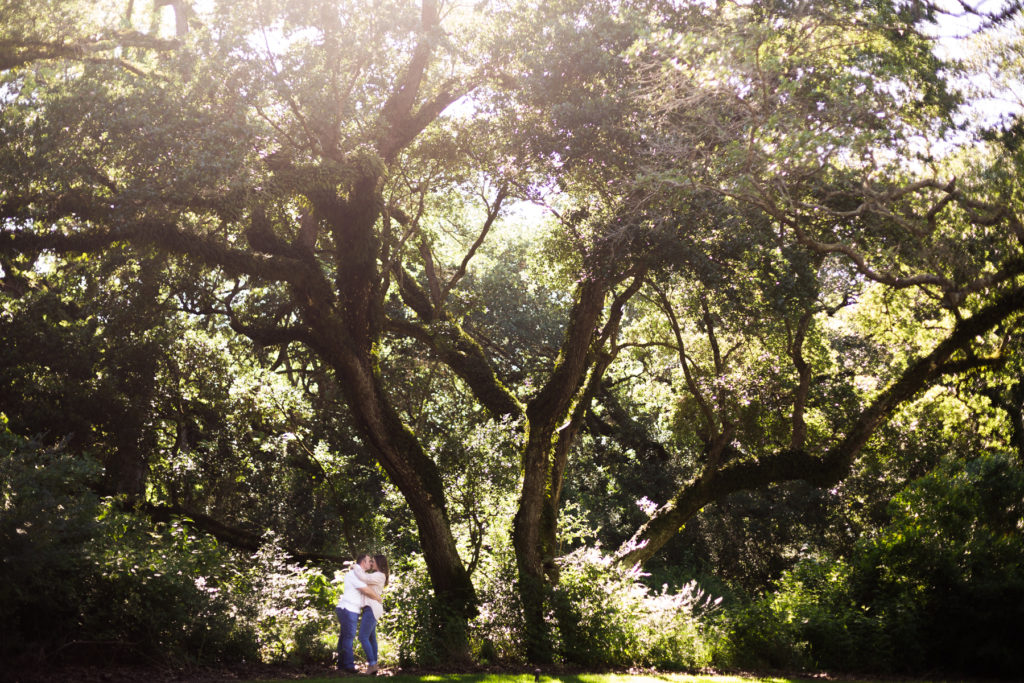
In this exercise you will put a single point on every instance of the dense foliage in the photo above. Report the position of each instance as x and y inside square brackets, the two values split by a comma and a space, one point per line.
[936, 589]
[564, 306]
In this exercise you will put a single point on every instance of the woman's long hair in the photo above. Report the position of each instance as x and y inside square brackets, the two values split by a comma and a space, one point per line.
[382, 566]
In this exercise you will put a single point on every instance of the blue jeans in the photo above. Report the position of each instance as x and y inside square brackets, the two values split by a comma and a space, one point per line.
[348, 621]
[368, 636]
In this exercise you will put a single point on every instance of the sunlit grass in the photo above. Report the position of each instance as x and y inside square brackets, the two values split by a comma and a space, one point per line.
[569, 678]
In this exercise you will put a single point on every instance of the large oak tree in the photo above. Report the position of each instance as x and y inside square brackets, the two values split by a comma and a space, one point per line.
[297, 159]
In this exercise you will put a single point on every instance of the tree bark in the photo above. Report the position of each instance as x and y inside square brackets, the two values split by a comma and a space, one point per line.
[546, 414]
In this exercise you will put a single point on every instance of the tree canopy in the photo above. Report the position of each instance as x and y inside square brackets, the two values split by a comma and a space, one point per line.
[466, 247]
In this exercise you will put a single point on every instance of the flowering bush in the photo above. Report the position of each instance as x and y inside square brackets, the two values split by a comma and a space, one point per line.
[605, 616]
[289, 608]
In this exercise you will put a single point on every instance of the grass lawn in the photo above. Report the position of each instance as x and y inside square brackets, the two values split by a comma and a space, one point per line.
[567, 678]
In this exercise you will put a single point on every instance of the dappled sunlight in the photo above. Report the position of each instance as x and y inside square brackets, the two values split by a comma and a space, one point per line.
[648, 337]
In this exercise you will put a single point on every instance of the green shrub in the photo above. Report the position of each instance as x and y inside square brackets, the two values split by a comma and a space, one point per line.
[75, 571]
[47, 516]
[945, 577]
[412, 630]
[498, 632]
[938, 588]
[80, 576]
[815, 600]
[603, 616]
[754, 637]
[162, 591]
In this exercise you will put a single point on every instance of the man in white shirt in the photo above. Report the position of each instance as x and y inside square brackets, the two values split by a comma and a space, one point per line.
[350, 605]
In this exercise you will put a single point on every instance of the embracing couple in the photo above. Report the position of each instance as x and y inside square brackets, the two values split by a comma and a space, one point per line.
[361, 598]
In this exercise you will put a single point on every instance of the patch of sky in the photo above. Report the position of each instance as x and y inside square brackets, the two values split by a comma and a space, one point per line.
[963, 34]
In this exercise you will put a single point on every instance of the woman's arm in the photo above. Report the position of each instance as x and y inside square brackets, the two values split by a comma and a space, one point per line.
[369, 592]
[369, 578]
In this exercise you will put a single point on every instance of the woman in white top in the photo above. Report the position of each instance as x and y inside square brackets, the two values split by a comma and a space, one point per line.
[375, 581]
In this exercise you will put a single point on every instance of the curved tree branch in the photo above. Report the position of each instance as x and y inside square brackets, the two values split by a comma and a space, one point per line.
[235, 536]
[466, 358]
[170, 238]
[15, 54]
[835, 463]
